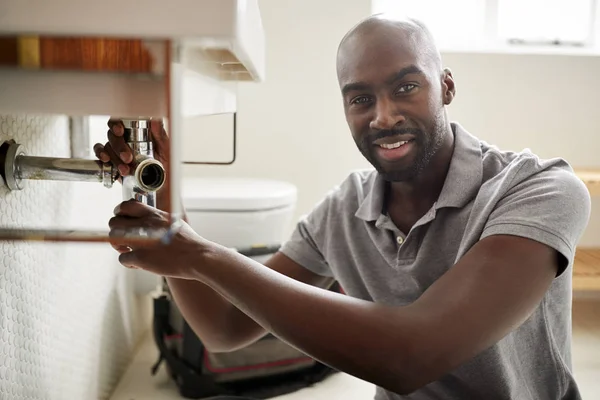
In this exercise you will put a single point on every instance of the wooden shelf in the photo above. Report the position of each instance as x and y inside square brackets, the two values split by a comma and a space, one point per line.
[49, 66]
[586, 269]
[227, 31]
[591, 178]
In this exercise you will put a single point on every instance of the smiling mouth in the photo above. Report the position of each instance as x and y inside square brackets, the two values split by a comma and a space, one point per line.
[394, 145]
[392, 151]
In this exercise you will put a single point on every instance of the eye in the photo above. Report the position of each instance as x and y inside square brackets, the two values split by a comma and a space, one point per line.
[360, 100]
[409, 87]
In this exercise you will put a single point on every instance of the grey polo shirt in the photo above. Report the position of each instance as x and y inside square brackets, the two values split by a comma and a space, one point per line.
[487, 191]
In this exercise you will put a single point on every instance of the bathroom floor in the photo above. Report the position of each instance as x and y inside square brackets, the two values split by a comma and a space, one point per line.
[138, 384]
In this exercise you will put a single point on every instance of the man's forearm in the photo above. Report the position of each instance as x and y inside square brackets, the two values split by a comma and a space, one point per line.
[219, 324]
[368, 340]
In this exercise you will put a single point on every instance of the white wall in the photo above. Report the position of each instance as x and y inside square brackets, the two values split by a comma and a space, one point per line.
[542, 102]
[68, 319]
[292, 126]
[545, 103]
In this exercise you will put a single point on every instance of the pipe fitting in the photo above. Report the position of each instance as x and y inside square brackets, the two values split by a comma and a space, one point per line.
[149, 174]
[16, 167]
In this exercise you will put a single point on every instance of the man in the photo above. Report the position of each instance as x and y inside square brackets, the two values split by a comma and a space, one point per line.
[456, 256]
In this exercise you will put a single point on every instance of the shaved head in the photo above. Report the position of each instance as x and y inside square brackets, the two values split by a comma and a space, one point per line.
[395, 92]
[411, 32]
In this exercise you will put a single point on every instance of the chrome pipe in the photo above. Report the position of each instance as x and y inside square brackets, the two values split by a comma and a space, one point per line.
[16, 167]
[63, 169]
[148, 174]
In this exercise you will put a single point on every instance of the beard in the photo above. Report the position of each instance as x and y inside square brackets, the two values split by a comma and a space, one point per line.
[426, 145]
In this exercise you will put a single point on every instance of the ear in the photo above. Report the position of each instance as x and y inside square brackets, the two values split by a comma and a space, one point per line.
[448, 86]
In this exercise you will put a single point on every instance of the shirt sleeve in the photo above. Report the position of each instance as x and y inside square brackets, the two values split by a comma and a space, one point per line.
[552, 207]
[305, 246]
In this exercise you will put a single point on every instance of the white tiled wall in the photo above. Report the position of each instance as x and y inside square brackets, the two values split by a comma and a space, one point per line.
[68, 318]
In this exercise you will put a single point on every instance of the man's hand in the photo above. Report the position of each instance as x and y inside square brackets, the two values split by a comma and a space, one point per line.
[121, 155]
[176, 260]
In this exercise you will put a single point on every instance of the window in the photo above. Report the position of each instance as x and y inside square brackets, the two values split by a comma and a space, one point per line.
[451, 22]
[545, 21]
[485, 24]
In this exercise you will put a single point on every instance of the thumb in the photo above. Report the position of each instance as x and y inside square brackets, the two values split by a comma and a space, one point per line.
[143, 259]
[130, 259]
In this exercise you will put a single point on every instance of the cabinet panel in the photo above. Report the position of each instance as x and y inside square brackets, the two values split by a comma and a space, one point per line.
[112, 55]
[77, 54]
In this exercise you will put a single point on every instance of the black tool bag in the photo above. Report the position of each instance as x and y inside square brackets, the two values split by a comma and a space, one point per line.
[264, 369]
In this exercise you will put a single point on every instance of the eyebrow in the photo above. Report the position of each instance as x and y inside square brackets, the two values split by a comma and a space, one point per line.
[358, 86]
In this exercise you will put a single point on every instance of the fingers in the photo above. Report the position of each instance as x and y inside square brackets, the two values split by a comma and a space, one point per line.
[132, 208]
[122, 224]
[116, 160]
[119, 223]
[117, 142]
[116, 150]
[160, 140]
[120, 248]
[106, 154]
[115, 121]
[122, 244]
[121, 153]
[158, 130]
[129, 216]
[137, 259]
[116, 242]
[100, 153]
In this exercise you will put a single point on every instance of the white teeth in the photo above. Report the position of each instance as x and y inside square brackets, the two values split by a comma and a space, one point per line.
[393, 145]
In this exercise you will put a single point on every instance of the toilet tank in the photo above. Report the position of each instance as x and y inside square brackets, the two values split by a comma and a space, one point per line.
[240, 212]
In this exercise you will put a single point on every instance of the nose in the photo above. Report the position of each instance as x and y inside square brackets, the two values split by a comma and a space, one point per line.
[386, 116]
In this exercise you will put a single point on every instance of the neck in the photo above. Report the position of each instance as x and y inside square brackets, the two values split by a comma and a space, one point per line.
[421, 192]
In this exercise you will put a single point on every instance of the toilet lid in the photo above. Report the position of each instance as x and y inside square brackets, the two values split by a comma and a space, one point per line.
[230, 194]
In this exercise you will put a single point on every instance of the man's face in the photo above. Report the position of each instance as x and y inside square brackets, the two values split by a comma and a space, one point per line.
[394, 103]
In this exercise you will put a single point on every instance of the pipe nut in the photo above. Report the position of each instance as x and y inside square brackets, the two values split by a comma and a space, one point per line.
[11, 173]
[109, 175]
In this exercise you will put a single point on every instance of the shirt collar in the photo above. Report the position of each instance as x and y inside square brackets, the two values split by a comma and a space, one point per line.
[461, 185]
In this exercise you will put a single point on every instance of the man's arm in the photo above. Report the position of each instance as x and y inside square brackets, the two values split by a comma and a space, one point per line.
[221, 326]
[400, 349]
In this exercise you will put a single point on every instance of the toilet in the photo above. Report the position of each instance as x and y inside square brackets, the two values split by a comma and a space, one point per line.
[240, 213]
